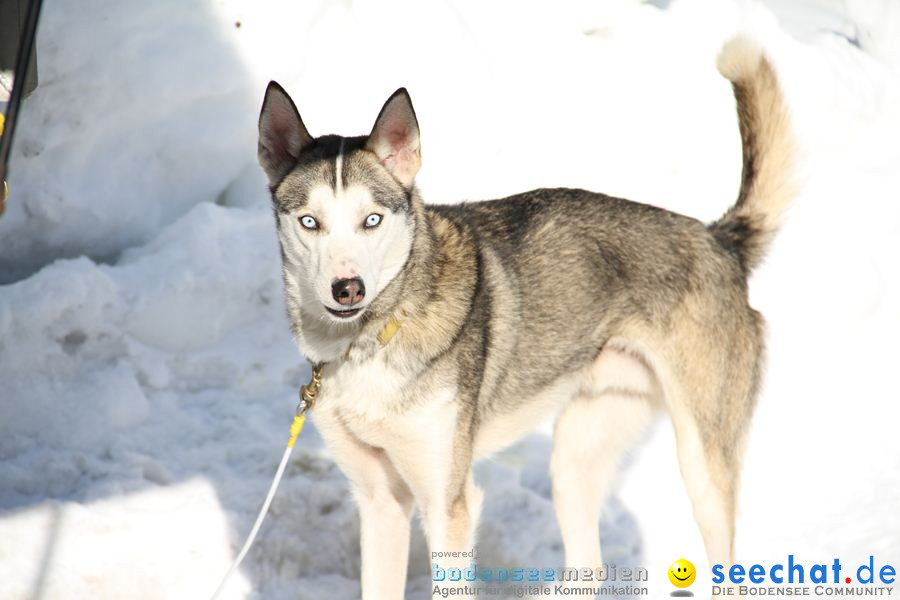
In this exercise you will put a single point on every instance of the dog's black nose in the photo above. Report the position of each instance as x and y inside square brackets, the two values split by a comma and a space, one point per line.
[348, 291]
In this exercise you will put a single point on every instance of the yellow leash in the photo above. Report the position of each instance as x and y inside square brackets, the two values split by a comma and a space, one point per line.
[308, 395]
[4, 189]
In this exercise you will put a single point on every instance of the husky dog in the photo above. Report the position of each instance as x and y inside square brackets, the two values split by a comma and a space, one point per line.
[447, 332]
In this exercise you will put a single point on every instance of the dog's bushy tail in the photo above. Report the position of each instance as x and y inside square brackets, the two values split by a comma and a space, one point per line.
[748, 227]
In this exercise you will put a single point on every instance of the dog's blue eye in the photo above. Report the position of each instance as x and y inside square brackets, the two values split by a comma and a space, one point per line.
[373, 220]
[308, 222]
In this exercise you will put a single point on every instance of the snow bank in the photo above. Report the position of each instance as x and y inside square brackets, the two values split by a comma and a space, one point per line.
[120, 547]
[143, 111]
[147, 376]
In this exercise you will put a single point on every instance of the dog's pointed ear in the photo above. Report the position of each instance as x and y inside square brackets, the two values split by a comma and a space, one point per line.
[395, 138]
[282, 135]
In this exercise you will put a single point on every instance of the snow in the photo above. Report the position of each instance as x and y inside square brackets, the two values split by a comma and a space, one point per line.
[148, 375]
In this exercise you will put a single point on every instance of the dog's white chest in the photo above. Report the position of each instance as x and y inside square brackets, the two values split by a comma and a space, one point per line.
[369, 390]
[373, 402]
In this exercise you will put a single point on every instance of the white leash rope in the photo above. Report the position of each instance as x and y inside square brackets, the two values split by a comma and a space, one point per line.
[259, 520]
[308, 395]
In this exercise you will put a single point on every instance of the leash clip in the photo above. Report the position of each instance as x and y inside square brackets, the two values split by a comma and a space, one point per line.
[309, 391]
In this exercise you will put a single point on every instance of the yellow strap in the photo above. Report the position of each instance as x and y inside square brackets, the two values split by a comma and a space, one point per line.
[296, 426]
[4, 189]
[389, 331]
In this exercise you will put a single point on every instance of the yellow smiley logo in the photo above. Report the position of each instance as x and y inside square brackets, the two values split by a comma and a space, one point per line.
[682, 573]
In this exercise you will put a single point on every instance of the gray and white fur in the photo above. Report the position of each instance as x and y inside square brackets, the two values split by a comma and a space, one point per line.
[602, 311]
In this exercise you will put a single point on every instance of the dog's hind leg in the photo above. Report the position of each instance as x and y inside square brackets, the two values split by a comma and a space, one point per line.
[709, 432]
[708, 366]
[590, 436]
[711, 480]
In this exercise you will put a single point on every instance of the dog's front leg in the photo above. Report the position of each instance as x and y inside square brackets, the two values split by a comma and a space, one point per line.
[432, 452]
[451, 517]
[450, 520]
[385, 507]
[450, 502]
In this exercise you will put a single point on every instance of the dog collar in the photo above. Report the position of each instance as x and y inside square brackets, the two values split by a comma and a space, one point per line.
[391, 327]
[309, 391]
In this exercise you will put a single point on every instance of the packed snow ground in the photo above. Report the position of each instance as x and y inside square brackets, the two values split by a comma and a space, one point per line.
[147, 377]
